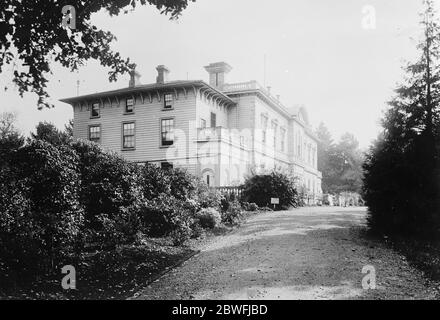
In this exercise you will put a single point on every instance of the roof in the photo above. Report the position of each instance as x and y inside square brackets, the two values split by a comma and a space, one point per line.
[150, 87]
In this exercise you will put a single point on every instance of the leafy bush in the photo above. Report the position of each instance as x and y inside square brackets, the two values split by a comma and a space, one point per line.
[109, 183]
[207, 197]
[174, 182]
[209, 218]
[121, 229]
[43, 217]
[259, 189]
[251, 207]
[233, 215]
[166, 216]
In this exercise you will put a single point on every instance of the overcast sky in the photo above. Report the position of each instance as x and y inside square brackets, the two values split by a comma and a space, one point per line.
[318, 54]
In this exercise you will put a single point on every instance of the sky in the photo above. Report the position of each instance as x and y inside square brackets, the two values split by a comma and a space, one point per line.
[318, 54]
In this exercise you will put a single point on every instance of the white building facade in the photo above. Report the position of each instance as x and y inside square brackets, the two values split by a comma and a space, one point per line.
[221, 132]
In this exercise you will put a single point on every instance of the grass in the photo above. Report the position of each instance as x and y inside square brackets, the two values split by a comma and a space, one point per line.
[423, 254]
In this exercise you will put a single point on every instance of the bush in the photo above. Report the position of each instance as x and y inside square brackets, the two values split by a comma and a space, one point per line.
[209, 218]
[251, 207]
[233, 215]
[41, 213]
[121, 229]
[207, 197]
[259, 189]
[109, 183]
[177, 183]
[168, 216]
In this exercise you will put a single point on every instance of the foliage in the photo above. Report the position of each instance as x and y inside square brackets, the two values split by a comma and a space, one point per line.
[109, 183]
[174, 182]
[402, 168]
[260, 189]
[32, 34]
[123, 228]
[233, 214]
[207, 197]
[209, 218]
[41, 215]
[10, 139]
[251, 207]
[168, 216]
[340, 164]
[48, 132]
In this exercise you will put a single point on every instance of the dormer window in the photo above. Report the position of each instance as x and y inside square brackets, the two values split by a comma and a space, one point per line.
[168, 101]
[95, 110]
[129, 105]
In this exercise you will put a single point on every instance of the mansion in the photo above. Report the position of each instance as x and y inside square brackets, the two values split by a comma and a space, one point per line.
[219, 131]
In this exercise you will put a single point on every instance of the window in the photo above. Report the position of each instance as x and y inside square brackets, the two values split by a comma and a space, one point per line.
[309, 153]
[128, 135]
[167, 132]
[263, 127]
[213, 120]
[303, 151]
[166, 166]
[95, 110]
[95, 133]
[168, 101]
[274, 130]
[129, 105]
[283, 139]
[202, 123]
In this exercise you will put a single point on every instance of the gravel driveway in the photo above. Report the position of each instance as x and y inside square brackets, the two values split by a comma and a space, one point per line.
[308, 253]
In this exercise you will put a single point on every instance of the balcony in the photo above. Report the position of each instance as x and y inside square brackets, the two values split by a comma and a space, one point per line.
[219, 134]
[254, 86]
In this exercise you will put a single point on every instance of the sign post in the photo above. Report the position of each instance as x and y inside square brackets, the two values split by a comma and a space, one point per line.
[274, 201]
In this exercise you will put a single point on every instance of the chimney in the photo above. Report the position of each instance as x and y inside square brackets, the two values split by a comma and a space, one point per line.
[217, 72]
[162, 74]
[135, 79]
[268, 88]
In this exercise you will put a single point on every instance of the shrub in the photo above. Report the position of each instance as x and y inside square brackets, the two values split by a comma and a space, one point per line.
[109, 183]
[251, 207]
[259, 189]
[174, 182]
[123, 228]
[183, 185]
[207, 197]
[168, 216]
[226, 200]
[43, 217]
[233, 215]
[209, 218]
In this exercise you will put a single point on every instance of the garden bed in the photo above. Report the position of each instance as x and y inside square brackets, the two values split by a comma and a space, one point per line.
[113, 274]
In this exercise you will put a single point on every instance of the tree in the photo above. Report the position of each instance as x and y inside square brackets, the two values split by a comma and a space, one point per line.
[340, 164]
[68, 128]
[47, 131]
[325, 145]
[10, 138]
[32, 35]
[402, 168]
[350, 164]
